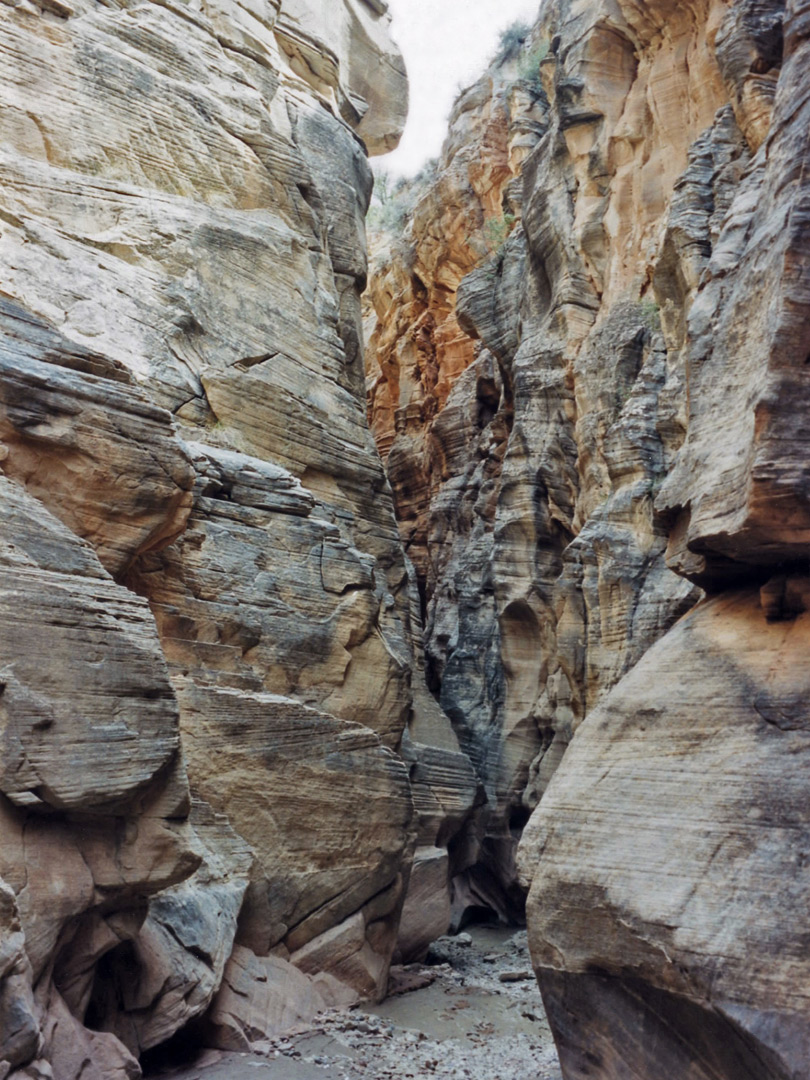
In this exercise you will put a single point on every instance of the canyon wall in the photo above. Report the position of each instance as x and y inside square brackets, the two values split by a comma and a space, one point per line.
[273, 713]
[587, 372]
[209, 643]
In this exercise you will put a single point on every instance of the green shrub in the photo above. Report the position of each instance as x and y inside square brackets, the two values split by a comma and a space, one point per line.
[651, 314]
[529, 64]
[511, 40]
[496, 232]
[393, 201]
[428, 173]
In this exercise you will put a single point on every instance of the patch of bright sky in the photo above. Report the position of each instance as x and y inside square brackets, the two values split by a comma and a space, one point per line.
[447, 44]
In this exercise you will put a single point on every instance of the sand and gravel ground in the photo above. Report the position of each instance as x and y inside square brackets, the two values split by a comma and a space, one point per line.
[476, 1014]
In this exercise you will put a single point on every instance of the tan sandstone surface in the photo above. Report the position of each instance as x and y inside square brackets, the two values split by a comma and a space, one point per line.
[600, 419]
[209, 641]
[276, 707]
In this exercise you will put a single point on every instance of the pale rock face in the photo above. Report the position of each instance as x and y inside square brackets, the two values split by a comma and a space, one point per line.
[183, 248]
[743, 500]
[260, 997]
[676, 934]
[670, 897]
[260, 593]
[326, 809]
[91, 827]
[525, 397]
[344, 48]
[84, 439]
[80, 656]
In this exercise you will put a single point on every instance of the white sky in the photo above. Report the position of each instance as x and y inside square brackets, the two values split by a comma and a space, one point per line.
[446, 43]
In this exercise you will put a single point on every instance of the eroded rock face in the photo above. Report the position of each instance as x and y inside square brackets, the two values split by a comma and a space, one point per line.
[743, 501]
[182, 407]
[670, 897]
[527, 396]
[94, 793]
[675, 935]
[327, 810]
[261, 593]
[615, 419]
[84, 439]
[150, 986]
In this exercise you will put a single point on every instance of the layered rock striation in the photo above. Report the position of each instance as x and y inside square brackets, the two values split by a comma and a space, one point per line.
[586, 373]
[526, 400]
[209, 641]
[263, 698]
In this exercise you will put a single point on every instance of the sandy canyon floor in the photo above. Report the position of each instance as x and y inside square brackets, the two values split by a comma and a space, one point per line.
[476, 1014]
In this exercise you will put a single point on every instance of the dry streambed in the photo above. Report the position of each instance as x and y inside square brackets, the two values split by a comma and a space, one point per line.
[473, 1013]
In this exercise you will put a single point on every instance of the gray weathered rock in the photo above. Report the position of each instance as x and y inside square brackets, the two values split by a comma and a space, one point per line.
[634, 406]
[183, 244]
[151, 986]
[89, 443]
[327, 810]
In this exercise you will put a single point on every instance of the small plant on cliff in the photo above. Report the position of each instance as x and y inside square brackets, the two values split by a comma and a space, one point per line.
[428, 173]
[511, 40]
[391, 203]
[651, 314]
[529, 64]
[496, 232]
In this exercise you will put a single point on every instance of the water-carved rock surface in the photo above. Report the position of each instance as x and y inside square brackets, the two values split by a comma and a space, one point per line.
[94, 793]
[689, 946]
[182, 407]
[671, 912]
[529, 402]
[587, 370]
[262, 697]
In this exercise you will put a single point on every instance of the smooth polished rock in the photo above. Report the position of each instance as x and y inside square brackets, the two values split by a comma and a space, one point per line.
[183, 249]
[327, 810]
[88, 443]
[89, 718]
[427, 912]
[667, 857]
[262, 997]
[91, 827]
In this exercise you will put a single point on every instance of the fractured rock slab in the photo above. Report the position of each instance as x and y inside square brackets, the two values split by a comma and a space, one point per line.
[327, 810]
[668, 859]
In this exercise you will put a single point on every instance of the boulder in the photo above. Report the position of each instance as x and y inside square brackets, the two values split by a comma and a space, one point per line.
[670, 882]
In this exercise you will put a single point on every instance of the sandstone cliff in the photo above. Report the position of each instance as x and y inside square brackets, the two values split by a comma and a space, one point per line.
[229, 788]
[207, 642]
[586, 374]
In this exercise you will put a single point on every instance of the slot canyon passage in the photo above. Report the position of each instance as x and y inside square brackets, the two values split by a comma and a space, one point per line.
[351, 594]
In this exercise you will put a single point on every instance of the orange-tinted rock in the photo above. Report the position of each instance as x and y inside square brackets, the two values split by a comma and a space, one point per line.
[85, 440]
[663, 853]
[91, 827]
[529, 443]
[742, 500]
